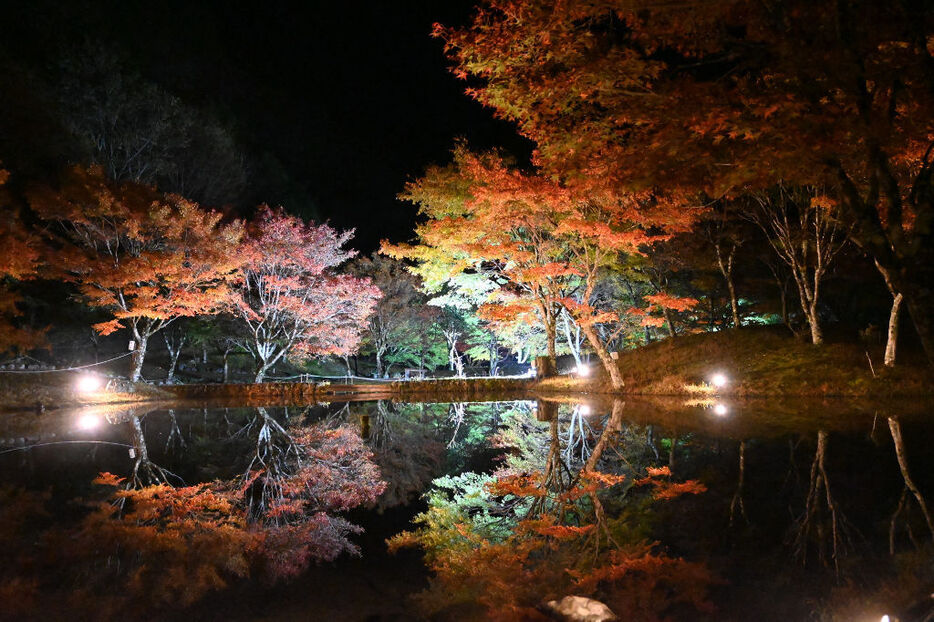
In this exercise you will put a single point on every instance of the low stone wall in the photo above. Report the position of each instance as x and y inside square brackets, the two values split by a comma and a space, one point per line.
[277, 391]
[307, 392]
[461, 387]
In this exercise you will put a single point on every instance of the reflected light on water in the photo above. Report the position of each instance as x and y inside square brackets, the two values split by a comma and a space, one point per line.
[720, 410]
[584, 409]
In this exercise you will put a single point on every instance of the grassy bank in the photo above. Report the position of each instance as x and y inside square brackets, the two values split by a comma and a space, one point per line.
[758, 361]
[41, 391]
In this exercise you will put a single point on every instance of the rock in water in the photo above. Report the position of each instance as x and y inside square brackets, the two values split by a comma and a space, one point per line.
[580, 609]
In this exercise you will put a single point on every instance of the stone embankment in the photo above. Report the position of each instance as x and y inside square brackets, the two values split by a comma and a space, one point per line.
[453, 388]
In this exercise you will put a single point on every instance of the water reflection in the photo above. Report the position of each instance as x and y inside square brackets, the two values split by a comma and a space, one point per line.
[660, 510]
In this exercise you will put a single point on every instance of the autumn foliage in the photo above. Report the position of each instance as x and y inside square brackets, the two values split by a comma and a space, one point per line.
[147, 257]
[289, 296]
[19, 260]
[566, 548]
[162, 547]
[709, 101]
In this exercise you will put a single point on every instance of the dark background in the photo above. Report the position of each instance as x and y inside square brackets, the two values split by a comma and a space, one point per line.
[348, 100]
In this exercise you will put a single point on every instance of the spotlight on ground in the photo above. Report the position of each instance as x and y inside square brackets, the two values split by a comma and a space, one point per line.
[583, 371]
[89, 384]
[88, 422]
[718, 380]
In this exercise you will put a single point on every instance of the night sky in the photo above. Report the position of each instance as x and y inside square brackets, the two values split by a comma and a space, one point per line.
[353, 98]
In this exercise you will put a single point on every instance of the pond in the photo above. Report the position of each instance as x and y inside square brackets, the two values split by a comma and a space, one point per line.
[660, 509]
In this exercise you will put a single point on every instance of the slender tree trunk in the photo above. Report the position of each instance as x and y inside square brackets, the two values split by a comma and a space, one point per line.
[896, 429]
[737, 501]
[204, 354]
[817, 335]
[173, 363]
[612, 426]
[226, 366]
[261, 370]
[726, 269]
[550, 336]
[379, 362]
[174, 353]
[616, 378]
[734, 302]
[891, 341]
[139, 354]
[671, 327]
[573, 341]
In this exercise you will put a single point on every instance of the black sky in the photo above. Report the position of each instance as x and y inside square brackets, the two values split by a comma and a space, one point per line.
[354, 98]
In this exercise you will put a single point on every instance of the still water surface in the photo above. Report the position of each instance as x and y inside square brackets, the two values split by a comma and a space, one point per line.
[778, 511]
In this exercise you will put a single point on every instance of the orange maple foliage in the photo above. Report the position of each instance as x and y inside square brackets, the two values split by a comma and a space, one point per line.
[718, 98]
[147, 257]
[553, 554]
[19, 260]
[539, 237]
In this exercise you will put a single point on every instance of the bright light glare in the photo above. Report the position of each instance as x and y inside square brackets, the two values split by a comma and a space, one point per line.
[584, 409]
[87, 384]
[583, 370]
[885, 618]
[720, 410]
[718, 380]
[88, 422]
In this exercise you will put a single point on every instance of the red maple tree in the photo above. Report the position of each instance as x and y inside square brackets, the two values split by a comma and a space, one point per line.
[289, 296]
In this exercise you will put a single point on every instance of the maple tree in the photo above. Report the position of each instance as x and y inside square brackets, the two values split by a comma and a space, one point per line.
[148, 257]
[288, 295]
[537, 239]
[507, 240]
[513, 539]
[19, 260]
[806, 237]
[398, 320]
[724, 97]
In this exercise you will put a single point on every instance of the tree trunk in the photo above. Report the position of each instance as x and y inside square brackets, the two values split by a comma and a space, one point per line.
[891, 341]
[139, 354]
[170, 376]
[550, 336]
[613, 424]
[226, 366]
[726, 269]
[734, 303]
[896, 429]
[204, 354]
[174, 352]
[817, 335]
[379, 363]
[668, 323]
[573, 341]
[261, 372]
[616, 378]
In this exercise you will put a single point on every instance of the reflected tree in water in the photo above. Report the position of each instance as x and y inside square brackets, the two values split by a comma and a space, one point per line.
[910, 487]
[822, 525]
[537, 528]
